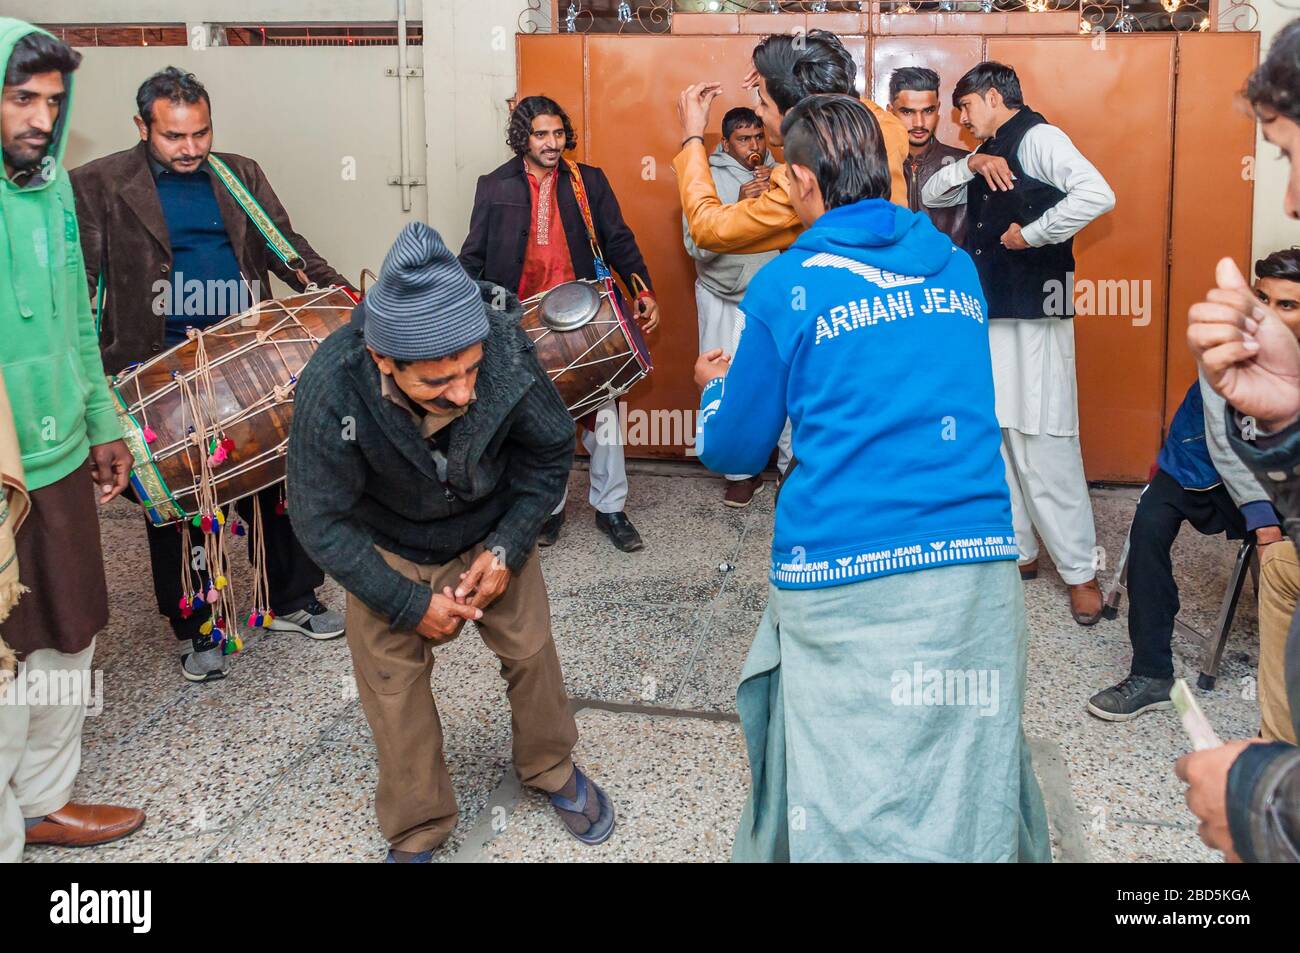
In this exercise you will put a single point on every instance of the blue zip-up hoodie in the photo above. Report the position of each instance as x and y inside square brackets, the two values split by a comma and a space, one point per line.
[870, 333]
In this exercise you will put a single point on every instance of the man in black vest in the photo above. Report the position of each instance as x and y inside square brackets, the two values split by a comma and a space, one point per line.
[1028, 191]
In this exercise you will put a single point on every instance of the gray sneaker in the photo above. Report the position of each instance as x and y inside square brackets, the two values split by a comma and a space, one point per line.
[1132, 697]
[315, 622]
[204, 665]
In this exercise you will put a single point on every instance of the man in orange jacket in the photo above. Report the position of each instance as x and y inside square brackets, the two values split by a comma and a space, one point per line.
[769, 222]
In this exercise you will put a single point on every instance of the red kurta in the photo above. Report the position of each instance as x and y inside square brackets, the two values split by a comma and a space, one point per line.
[547, 262]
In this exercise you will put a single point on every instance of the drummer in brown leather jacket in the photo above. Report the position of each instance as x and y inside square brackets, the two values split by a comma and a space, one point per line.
[914, 98]
[168, 246]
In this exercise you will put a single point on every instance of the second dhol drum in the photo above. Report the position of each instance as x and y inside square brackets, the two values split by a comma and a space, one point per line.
[591, 350]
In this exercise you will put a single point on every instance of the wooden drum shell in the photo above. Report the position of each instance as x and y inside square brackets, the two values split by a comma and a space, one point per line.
[254, 360]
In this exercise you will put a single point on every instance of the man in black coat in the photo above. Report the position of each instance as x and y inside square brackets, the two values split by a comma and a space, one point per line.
[428, 446]
[527, 234]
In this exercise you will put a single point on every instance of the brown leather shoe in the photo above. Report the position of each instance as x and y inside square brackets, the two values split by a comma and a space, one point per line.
[86, 825]
[1029, 570]
[1086, 602]
[739, 493]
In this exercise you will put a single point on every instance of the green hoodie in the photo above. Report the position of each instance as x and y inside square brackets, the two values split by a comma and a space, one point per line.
[49, 350]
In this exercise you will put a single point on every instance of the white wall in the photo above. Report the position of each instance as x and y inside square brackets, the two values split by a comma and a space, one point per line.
[321, 121]
[469, 63]
[198, 11]
[1272, 229]
[302, 111]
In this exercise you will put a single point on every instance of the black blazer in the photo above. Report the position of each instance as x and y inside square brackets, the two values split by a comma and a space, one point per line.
[499, 224]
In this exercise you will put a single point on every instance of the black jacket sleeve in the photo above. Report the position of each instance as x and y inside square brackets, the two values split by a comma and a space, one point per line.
[616, 239]
[1264, 803]
[1264, 782]
[326, 478]
[473, 254]
[90, 225]
[542, 439]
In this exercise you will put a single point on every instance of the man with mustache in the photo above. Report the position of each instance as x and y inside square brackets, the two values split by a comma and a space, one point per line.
[914, 98]
[462, 446]
[527, 234]
[159, 223]
[68, 435]
[1028, 190]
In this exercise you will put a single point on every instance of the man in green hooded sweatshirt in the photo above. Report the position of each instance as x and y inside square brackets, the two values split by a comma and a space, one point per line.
[72, 453]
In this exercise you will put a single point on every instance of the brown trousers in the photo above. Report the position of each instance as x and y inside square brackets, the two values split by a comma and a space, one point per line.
[1279, 585]
[415, 801]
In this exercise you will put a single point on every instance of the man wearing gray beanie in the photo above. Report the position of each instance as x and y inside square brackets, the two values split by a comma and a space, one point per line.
[428, 447]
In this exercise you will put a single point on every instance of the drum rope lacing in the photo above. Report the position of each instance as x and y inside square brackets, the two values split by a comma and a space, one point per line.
[198, 396]
[280, 395]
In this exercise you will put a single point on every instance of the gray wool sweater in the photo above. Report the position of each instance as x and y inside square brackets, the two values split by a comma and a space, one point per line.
[361, 476]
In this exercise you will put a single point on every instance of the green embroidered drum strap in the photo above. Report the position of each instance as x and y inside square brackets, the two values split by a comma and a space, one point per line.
[155, 496]
[257, 215]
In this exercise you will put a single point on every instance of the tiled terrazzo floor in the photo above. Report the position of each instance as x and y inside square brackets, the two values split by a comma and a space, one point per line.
[276, 762]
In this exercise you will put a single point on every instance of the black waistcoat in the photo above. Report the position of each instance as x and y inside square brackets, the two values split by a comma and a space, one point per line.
[1016, 283]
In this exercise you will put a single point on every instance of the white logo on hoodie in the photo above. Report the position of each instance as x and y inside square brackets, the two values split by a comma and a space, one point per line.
[877, 276]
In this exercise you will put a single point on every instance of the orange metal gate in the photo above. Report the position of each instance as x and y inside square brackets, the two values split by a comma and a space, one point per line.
[1154, 112]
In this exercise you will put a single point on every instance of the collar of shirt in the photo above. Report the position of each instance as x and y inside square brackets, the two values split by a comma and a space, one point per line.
[924, 154]
[156, 168]
[428, 422]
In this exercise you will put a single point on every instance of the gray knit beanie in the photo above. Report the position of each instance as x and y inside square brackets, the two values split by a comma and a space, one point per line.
[424, 306]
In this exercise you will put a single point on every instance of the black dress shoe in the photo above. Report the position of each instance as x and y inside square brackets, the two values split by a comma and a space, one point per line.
[620, 529]
[551, 529]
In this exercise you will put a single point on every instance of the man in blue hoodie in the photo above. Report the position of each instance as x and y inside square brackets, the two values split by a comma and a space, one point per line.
[882, 695]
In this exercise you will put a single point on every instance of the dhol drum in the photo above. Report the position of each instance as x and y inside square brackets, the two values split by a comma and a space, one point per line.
[208, 421]
[588, 346]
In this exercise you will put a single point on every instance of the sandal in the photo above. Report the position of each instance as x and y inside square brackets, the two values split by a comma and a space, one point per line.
[603, 826]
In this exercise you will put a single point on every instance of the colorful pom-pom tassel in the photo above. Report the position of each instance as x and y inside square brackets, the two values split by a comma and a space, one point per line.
[185, 603]
[228, 647]
[221, 518]
[197, 521]
[222, 582]
[212, 595]
[281, 508]
[206, 627]
[205, 524]
[196, 600]
[266, 619]
[239, 644]
[149, 435]
[228, 445]
[252, 620]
